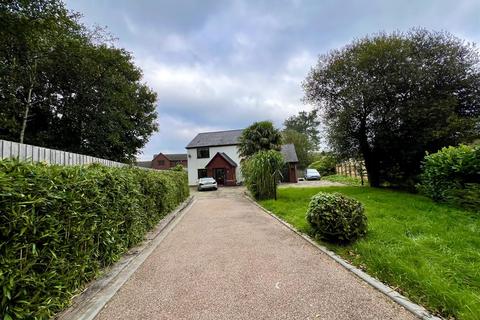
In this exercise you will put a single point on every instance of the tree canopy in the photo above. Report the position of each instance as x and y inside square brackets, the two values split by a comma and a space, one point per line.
[259, 136]
[306, 123]
[393, 97]
[303, 146]
[65, 86]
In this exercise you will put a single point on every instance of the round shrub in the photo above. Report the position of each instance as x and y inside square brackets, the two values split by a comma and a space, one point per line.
[337, 218]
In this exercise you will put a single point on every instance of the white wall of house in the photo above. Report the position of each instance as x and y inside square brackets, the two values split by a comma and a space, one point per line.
[194, 164]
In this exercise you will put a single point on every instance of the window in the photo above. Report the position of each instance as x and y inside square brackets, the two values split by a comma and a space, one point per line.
[161, 162]
[203, 153]
[202, 173]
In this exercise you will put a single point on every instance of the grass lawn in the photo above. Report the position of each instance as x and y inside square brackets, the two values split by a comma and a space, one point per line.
[351, 181]
[427, 251]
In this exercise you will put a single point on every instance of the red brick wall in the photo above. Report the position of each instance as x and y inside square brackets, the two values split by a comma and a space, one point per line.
[157, 162]
[219, 162]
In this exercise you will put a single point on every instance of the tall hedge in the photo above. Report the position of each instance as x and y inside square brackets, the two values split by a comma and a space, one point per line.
[453, 175]
[59, 225]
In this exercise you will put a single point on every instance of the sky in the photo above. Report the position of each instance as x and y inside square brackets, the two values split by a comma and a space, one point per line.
[220, 65]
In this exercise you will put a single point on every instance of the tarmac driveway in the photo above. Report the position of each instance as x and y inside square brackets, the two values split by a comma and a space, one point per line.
[227, 259]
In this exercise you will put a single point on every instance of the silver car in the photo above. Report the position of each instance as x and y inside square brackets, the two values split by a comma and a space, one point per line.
[312, 174]
[207, 184]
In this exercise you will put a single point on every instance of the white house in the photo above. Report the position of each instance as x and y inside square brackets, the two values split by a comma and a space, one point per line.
[215, 154]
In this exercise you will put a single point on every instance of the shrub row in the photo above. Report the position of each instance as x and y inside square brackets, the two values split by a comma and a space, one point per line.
[59, 225]
[453, 175]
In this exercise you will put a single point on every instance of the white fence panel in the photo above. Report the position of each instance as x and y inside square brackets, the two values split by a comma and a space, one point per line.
[9, 149]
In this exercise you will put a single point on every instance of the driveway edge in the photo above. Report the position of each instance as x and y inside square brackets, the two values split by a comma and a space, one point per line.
[91, 301]
[414, 308]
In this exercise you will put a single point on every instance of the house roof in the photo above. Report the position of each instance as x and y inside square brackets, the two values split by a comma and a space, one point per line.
[144, 164]
[218, 138]
[225, 157]
[289, 153]
[176, 156]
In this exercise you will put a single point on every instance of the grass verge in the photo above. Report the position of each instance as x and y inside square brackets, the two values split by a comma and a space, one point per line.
[427, 251]
[350, 181]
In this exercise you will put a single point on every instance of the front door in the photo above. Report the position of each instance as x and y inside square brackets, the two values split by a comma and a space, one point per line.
[219, 175]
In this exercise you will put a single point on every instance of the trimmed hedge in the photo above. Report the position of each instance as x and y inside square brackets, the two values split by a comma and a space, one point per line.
[337, 218]
[59, 225]
[453, 175]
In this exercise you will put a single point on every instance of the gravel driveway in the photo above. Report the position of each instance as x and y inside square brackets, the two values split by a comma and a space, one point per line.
[226, 259]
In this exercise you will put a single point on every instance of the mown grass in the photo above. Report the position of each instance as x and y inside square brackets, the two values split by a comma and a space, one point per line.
[351, 181]
[427, 251]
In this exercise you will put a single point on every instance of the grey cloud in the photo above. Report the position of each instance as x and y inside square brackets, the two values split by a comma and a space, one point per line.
[249, 57]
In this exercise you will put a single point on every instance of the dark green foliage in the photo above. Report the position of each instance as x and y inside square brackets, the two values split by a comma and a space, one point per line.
[66, 87]
[336, 218]
[259, 136]
[262, 172]
[453, 175]
[307, 123]
[325, 165]
[303, 147]
[59, 225]
[389, 98]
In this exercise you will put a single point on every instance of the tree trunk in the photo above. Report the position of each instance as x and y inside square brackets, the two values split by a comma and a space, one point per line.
[25, 115]
[373, 170]
[29, 101]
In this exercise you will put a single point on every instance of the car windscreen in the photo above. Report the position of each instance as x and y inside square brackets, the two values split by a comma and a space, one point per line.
[203, 180]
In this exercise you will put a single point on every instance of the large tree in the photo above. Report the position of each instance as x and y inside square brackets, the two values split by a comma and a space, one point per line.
[392, 97]
[306, 123]
[63, 86]
[303, 146]
[259, 136]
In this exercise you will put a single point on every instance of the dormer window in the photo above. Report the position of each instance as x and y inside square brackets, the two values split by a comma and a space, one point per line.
[203, 153]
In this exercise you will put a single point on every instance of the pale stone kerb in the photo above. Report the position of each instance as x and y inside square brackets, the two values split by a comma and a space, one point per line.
[415, 309]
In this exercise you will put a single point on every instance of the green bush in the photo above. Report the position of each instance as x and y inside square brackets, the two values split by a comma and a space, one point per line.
[337, 218]
[59, 225]
[261, 173]
[325, 165]
[453, 175]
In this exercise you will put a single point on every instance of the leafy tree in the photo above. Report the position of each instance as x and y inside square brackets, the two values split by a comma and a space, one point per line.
[62, 86]
[306, 123]
[325, 165]
[392, 97]
[302, 145]
[259, 136]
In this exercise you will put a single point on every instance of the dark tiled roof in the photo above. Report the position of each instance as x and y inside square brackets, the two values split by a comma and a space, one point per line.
[224, 156]
[289, 153]
[144, 164]
[219, 138]
[176, 156]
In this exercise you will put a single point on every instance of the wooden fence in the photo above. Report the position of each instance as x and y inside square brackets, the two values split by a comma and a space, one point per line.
[26, 152]
[351, 168]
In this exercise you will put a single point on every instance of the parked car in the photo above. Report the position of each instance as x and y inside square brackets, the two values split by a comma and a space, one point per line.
[207, 184]
[312, 174]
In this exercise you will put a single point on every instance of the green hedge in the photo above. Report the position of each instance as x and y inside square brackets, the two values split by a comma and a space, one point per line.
[59, 225]
[453, 175]
[325, 165]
